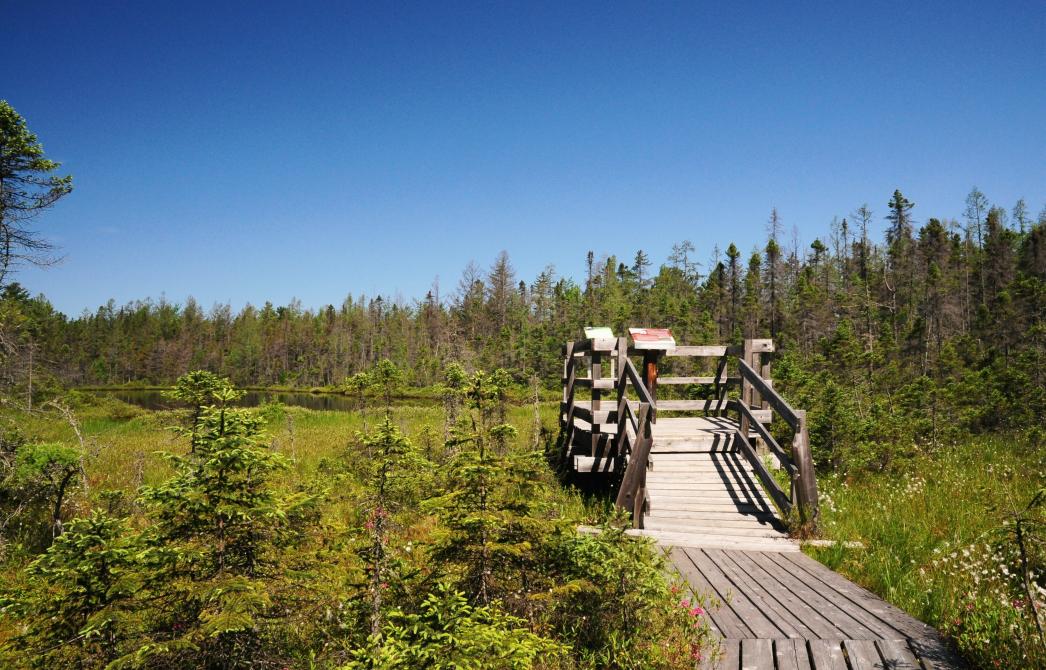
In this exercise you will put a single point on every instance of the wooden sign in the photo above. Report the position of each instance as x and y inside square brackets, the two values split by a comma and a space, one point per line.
[652, 338]
[598, 333]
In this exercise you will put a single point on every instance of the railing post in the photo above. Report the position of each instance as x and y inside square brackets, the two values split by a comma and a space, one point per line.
[746, 392]
[650, 371]
[595, 374]
[566, 409]
[632, 494]
[805, 482]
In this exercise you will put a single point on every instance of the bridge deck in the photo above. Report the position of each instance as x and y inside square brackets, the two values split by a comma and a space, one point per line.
[786, 610]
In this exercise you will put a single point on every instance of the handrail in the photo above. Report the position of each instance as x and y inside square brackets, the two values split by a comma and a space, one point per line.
[800, 465]
[632, 493]
[629, 368]
[786, 461]
[768, 394]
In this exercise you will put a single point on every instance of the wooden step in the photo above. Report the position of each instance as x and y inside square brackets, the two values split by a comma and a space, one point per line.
[740, 504]
[692, 446]
[695, 526]
[592, 464]
[700, 456]
[673, 507]
[714, 541]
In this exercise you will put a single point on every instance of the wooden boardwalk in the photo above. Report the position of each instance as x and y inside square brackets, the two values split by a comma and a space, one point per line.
[785, 610]
[700, 486]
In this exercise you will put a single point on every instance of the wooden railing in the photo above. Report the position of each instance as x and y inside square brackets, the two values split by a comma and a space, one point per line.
[629, 445]
[798, 463]
[631, 493]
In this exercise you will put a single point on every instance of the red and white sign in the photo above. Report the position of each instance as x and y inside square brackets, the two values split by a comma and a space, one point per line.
[652, 338]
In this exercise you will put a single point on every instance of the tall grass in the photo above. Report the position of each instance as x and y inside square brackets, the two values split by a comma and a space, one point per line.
[938, 543]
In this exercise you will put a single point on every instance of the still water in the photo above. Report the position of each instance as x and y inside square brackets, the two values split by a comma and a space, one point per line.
[320, 401]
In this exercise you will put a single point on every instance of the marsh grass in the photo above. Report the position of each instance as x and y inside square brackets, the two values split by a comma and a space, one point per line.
[937, 546]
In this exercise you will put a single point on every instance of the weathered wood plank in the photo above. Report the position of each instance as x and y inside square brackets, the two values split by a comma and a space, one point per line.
[896, 655]
[760, 625]
[904, 625]
[699, 351]
[841, 613]
[586, 382]
[681, 381]
[729, 657]
[862, 655]
[791, 655]
[722, 617]
[757, 655]
[709, 405]
[827, 655]
[760, 569]
[760, 596]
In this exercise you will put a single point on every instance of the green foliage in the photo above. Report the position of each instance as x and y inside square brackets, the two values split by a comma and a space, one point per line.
[219, 530]
[940, 534]
[450, 634]
[76, 600]
[200, 389]
[36, 479]
[29, 187]
[620, 611]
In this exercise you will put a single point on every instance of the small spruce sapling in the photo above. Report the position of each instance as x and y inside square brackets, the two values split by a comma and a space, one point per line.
[76, 603]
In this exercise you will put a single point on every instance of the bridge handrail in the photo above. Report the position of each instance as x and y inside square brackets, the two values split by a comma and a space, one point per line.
[799, 464]
[768, 394]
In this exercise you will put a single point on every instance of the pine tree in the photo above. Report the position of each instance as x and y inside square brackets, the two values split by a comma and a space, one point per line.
[76, 604]
[27, 188]
[219, 529]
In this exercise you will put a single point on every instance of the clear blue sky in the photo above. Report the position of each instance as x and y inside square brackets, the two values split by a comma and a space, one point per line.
[241, 152]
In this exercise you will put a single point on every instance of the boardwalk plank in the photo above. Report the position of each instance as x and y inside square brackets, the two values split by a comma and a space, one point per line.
[862, 655]
[760, 568]
[827, 655]
[786, 657]
[905, 625]
[760, 589]
[757, 655]
[729, 657]
[896, 655]
[842, 615]
[760, 626]
[723, 617]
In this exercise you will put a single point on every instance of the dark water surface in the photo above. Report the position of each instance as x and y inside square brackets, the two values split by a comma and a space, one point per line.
[320, 401]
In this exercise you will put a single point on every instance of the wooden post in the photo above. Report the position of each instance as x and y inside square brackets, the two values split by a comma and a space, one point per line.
[746, 392]
[805, 481]
[650, 372]
[595, 374]
[567, 407]
[764, 373]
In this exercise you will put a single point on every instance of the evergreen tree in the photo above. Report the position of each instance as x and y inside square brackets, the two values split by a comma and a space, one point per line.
[219, 530]
[28, 186]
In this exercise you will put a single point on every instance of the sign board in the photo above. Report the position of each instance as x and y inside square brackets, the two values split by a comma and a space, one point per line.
[598, 333]
[652, 338]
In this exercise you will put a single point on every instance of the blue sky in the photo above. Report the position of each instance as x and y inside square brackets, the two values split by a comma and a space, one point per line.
[243, 152]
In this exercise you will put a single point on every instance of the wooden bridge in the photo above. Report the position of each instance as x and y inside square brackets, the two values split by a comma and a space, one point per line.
[710, 481]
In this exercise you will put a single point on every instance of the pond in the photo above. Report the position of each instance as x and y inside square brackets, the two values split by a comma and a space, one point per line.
[152, 399]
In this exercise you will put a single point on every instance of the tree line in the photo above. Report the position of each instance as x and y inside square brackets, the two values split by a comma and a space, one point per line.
[919, 295]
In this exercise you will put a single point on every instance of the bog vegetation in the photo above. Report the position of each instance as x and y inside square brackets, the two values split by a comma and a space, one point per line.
[417, 536]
